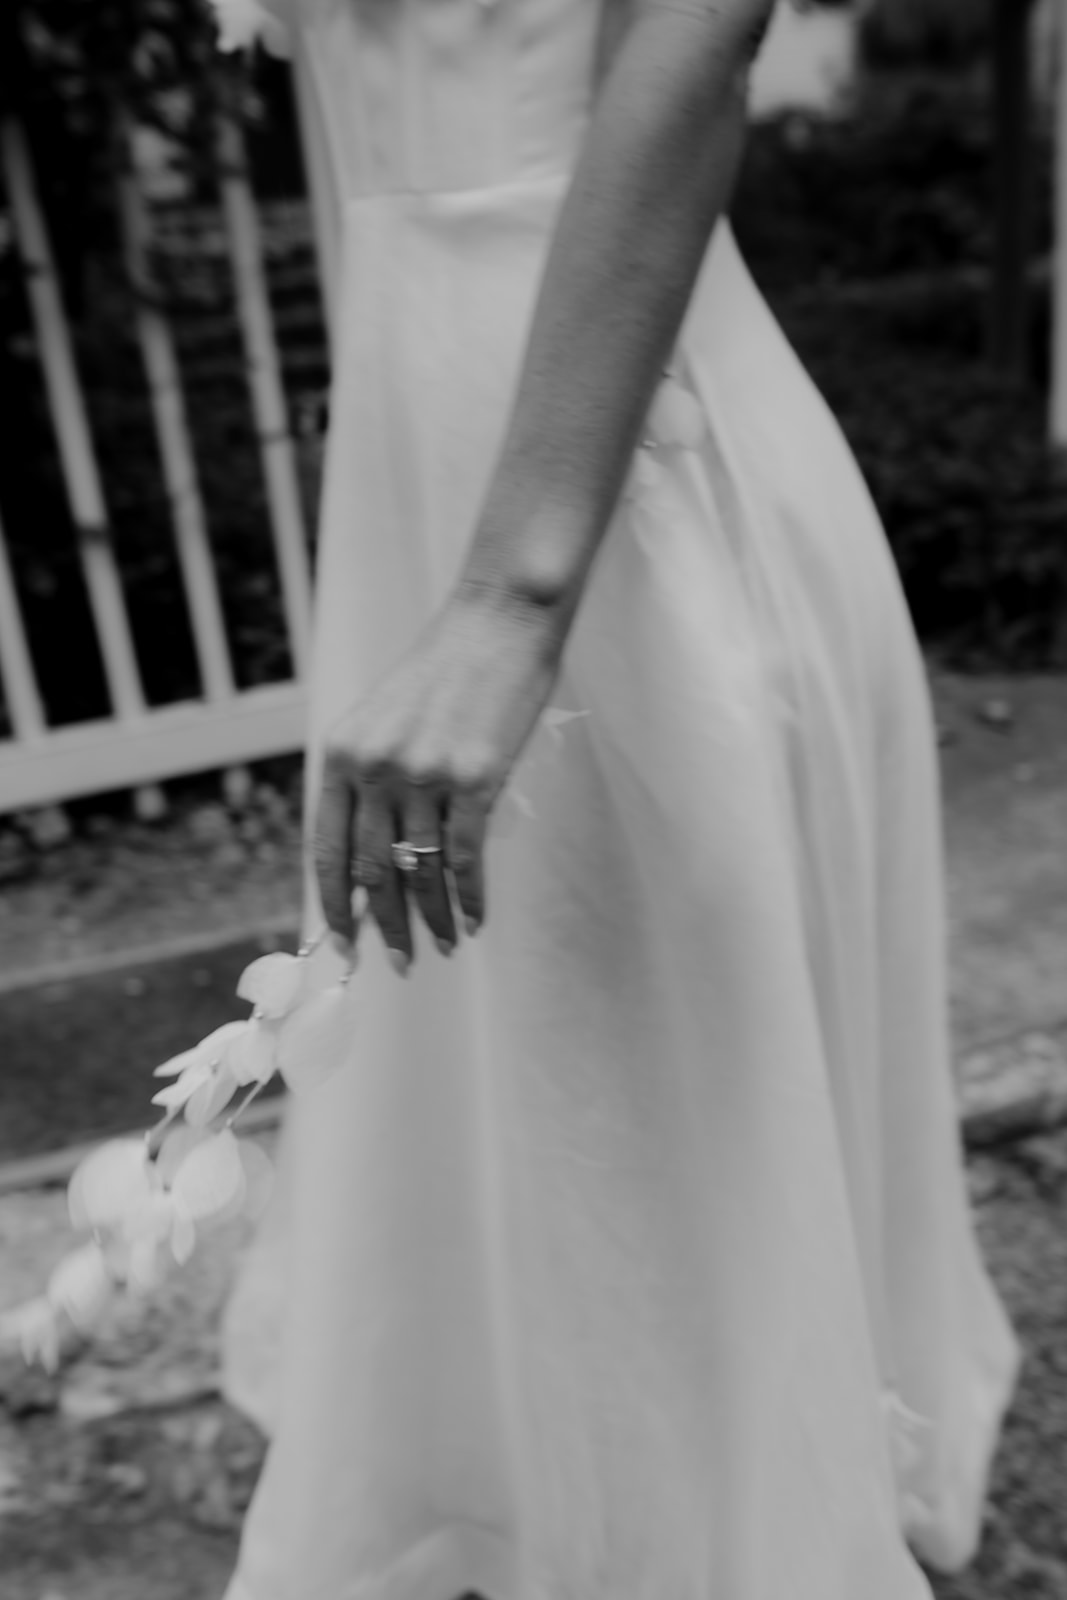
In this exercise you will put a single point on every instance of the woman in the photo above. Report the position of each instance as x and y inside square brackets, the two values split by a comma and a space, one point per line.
[628, 1255]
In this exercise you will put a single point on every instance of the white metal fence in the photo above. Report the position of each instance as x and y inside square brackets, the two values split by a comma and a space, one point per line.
[138, 745]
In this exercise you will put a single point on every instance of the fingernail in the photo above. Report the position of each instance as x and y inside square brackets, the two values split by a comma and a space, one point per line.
[444, 946]
[399, 960]
[471, 925]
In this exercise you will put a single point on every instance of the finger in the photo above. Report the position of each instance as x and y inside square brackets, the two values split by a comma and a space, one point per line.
[465, 844]
[331, 850]
[377, 873]
[423, 826]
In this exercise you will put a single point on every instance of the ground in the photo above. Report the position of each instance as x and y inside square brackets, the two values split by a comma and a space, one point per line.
[126, 1477]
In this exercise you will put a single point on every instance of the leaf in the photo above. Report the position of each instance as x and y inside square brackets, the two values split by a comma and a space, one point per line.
[251, 1058]
[110, 1183]
[177, 1064]
[174, 1149]
[35, 1326]
[183, 1088]
[215, 1046]
[146, 1265]
[313, 1040]
[204, 1105]
[272, 983]
[209, 1177]
[183, 1236]
[81, 1286]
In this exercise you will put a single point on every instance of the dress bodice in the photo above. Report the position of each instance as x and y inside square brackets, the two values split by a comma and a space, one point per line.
[432, 95]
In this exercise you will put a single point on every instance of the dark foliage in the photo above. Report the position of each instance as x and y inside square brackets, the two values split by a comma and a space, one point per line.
[871, 237]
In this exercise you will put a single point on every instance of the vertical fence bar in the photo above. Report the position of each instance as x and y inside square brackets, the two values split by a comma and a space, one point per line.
[1013, 182]
[16, 667]
[268, 395]
[1058, 396]
[172, 432]
[67, 406]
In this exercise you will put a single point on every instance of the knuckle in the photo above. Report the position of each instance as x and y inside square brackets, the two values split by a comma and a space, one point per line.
[423, 770]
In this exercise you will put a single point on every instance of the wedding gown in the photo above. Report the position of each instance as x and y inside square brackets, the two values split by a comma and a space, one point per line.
[628, 1257]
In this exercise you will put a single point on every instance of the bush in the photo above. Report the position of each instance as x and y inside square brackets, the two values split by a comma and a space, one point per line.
[902, 184]
[958, 466]
[872, 238]
[935, 33]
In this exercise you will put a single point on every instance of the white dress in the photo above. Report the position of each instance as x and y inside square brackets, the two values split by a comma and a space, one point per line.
[628, 1257]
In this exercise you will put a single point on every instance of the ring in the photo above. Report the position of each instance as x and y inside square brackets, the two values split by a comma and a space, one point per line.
[407, 856]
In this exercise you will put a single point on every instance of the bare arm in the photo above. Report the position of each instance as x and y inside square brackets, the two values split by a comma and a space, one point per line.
[655, 173]
[425, 755]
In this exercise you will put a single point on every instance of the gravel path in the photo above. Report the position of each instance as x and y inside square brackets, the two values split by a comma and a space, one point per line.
[127, 1478]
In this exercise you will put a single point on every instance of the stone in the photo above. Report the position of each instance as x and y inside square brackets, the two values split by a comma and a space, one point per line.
[127, 1478]
[209, 824]
[1045, 1159]
[237, 787]
[47, 827]
[983, 1180]
[998, 713]
[1009, 1090]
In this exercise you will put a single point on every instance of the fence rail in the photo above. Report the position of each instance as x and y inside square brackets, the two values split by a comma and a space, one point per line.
[139, 745]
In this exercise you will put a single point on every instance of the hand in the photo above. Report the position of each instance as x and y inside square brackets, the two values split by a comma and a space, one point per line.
[422, 759]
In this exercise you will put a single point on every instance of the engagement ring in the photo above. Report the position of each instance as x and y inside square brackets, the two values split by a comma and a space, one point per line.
[406, 856]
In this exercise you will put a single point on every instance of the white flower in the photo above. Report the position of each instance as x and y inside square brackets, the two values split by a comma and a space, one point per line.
[176, 1145]
[676, 417]
[210, 1177]
[312, 1040]
[210, 1051]
[81, 1286]
[251, 1058]
[183, 1088]
[244, 23]
[272, 983]
[212, 1097]
[35, 1328]
[112, 1181]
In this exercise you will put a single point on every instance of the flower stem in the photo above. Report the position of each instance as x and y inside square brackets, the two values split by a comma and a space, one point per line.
[257, 1088]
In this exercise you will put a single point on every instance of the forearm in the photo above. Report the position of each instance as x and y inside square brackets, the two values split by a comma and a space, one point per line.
[654, 174]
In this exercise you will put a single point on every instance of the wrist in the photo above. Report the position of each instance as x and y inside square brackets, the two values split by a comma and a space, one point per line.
[531, 570]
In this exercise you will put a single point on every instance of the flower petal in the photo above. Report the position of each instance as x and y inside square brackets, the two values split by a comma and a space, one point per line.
[312, 1041]
[81, 1286]
[209, 1177]
[109, 1183]
[215, 1046]
[272, 983]
[211, 1097]
[177, 1064]
[183, 1088]
[175, 1147]
[35, 1327]
[146, 1265]
[251, 1058]
[676, 417]
[183, 1236]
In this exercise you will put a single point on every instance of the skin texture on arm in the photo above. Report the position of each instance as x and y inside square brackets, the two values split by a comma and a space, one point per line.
[656, 171]
[424, 756]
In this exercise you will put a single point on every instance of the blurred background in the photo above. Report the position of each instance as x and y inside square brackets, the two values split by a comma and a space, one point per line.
[165, 247]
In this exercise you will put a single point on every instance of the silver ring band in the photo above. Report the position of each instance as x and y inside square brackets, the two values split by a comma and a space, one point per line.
[408, 857]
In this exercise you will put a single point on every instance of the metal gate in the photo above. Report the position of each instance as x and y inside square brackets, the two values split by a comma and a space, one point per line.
[138, 744]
